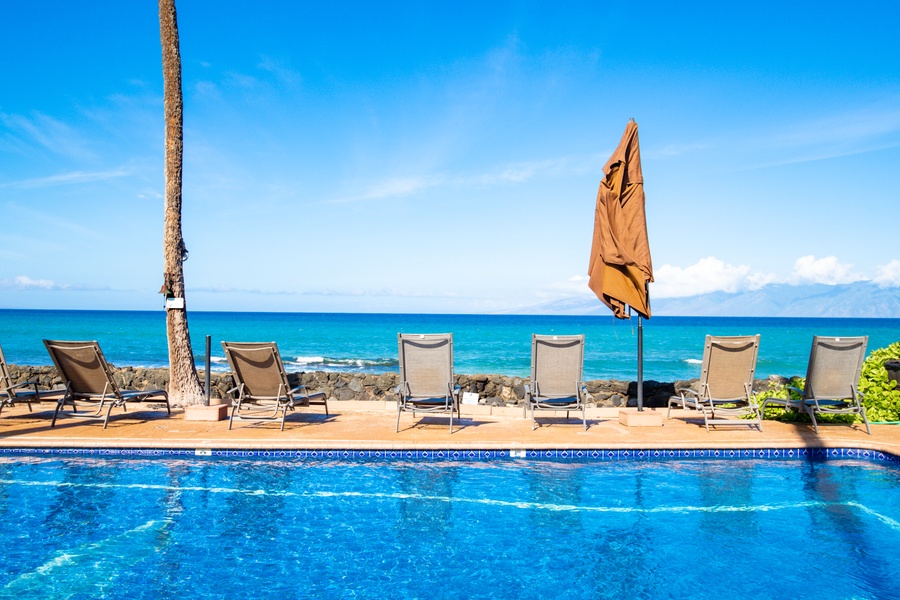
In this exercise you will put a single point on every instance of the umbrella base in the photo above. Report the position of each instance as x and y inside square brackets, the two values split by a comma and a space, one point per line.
[645, 418]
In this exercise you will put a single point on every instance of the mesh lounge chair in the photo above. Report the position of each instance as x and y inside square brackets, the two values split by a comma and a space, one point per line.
[831, 380]
[426, 375]
[556, 375]
[26, 391]
[89, 382]
[262, 389]
[726, 383]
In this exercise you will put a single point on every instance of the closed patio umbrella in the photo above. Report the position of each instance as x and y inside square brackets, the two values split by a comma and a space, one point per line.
[620, 268]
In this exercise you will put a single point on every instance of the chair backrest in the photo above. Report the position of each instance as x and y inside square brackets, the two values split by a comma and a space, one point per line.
[258, 366]
[834, 366]
[426, 363]
[729, 363]
[5, 379]
[82, 367]
[557, 364]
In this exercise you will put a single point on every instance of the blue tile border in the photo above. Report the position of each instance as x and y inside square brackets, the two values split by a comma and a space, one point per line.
[566, 455]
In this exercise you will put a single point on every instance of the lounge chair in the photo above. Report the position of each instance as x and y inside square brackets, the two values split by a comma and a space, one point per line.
[557, 363]
[26, 391]
[832, 377]
[262, 389]
[89, 382]
[726, 383]
[426, 375]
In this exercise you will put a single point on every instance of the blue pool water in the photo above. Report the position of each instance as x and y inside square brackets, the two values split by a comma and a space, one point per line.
[75, 527]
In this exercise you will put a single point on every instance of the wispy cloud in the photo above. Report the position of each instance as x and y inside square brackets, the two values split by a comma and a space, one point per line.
[232, 290]
[24, 282]
[284, 74]
[39, 130]
[48, 218]
[394, 188]
[510, 174]
[379, 293]
[69, 178]
[846, 133]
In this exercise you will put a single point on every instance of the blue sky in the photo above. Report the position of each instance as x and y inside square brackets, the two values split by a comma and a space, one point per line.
[443, 157]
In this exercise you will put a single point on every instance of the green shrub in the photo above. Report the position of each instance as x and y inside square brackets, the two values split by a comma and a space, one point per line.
[881, 400]
[776, 390]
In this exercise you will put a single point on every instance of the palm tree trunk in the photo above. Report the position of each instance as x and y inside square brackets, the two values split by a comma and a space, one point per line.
[184, 384]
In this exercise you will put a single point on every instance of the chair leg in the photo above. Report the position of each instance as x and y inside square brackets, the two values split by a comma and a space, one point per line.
[584, 416]
[231, 419]
[812, 415]
[865, 419]
[532, 417]
[397, 429]
[108, 411]
[451, 420]
[59, 405]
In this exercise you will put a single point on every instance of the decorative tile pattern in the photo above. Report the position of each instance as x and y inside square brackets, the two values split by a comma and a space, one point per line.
[562, 455]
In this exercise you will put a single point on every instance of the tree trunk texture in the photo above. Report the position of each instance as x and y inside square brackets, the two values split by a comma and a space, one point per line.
[184, 383]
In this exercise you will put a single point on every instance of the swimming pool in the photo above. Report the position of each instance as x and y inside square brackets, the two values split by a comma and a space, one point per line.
[92, 526]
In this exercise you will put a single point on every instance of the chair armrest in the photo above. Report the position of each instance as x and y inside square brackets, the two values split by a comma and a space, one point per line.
[33, 384]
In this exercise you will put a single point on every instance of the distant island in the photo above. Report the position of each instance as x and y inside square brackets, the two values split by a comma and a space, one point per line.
[855, 300]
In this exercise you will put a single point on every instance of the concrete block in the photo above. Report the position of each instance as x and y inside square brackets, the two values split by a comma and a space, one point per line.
[213, 412]
[645, 418]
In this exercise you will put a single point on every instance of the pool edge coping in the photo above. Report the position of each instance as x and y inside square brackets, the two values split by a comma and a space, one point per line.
[467, 455]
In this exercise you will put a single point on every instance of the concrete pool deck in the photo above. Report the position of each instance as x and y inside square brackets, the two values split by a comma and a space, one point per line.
[370, 426]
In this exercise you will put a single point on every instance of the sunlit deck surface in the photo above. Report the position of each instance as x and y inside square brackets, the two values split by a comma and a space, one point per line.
[370, 426]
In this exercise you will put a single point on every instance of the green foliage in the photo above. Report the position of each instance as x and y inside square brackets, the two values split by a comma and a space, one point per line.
[776, 390]
[881, 400]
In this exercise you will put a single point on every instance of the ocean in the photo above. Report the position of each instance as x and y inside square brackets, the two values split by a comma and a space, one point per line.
[496, 344]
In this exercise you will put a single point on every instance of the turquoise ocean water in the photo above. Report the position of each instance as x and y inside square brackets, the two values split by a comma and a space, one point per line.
[673, 346]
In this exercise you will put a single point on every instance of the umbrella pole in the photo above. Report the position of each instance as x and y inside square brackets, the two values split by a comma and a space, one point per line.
[640, 365]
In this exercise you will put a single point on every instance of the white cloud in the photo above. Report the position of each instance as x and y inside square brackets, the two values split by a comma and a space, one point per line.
[284, 74]
[511, 174]
[393, 188]
[827, 270]
[888, 275]
[46, 132]
[707, 275]
[577, 285]
[25, 282]
[72, 177]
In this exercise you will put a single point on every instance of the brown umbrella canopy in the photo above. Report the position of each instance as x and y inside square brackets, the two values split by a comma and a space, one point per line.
[620, 266]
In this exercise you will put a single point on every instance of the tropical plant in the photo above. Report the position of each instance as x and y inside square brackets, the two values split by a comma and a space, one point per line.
[880, 396]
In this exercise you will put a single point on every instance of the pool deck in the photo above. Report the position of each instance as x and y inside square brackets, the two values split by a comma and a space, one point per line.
[370, 426]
